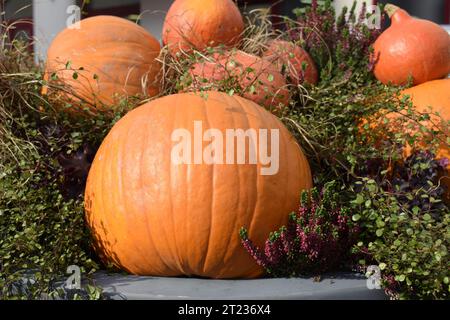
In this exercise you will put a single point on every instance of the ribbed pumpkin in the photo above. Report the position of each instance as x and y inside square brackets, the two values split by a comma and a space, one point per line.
[300, 67]
[117, 58]
[411, 47]
[151, 216]
[198, 24]
[259, 79]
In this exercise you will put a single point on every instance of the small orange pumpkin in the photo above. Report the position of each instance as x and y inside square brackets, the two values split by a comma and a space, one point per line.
[432, 94]
[435, 94]
[105, 59]
[151, 216]
[300, 67]
[258, 79]
[198, 24]
[411, 47]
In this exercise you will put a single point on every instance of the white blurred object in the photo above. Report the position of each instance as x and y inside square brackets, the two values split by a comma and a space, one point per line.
[50, 17]
[373, 21]
[340, 4]
[152, 15]
[446, 27]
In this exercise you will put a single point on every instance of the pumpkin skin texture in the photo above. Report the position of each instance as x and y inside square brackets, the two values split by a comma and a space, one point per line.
[117, 57]
[292, 57]
[411, 47]
[151, 216]
[198, 24]
[269, 93]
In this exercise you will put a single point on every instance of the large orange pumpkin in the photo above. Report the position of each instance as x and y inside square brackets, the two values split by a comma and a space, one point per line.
[152, 216]
[198, 24]
[300, 67]
[258, 79]
[411, 47]
[116, 57]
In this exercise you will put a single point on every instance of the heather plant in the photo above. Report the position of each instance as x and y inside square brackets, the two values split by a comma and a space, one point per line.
[339, 42]
[317, 238]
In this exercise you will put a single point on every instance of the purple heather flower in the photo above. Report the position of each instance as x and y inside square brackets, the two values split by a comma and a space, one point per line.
[444, 162]
[317, 239]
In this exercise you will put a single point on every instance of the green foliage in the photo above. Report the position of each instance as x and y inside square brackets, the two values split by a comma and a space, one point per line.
[43, 169]
[354, 130]
[406, 230]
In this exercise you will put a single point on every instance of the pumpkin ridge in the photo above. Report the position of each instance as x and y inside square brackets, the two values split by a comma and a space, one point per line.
[178, 261]
[104, 219]
[175, 252]
[226, 255]
[266, 123]
[211, 96]
[108, 44]
[259, 110]
[142, 191]
[245, 112]
[193, 223]
[208, 126]
[250, 227]
[188, 202]
[187, 192]
[238, 185]
[123, 199]
[122, 187]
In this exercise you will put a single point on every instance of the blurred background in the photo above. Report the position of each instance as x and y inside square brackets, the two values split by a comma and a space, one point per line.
[41, 20]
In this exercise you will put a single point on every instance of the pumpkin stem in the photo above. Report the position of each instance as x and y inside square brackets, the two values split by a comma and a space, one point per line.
[390, 9]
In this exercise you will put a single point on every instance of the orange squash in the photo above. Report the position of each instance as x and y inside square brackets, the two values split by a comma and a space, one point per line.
[411, 47]
[300, 67]
[152, 216]
[435, 94]
[198, 24]
[430, 97]
[116, 57]
[258, 79]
